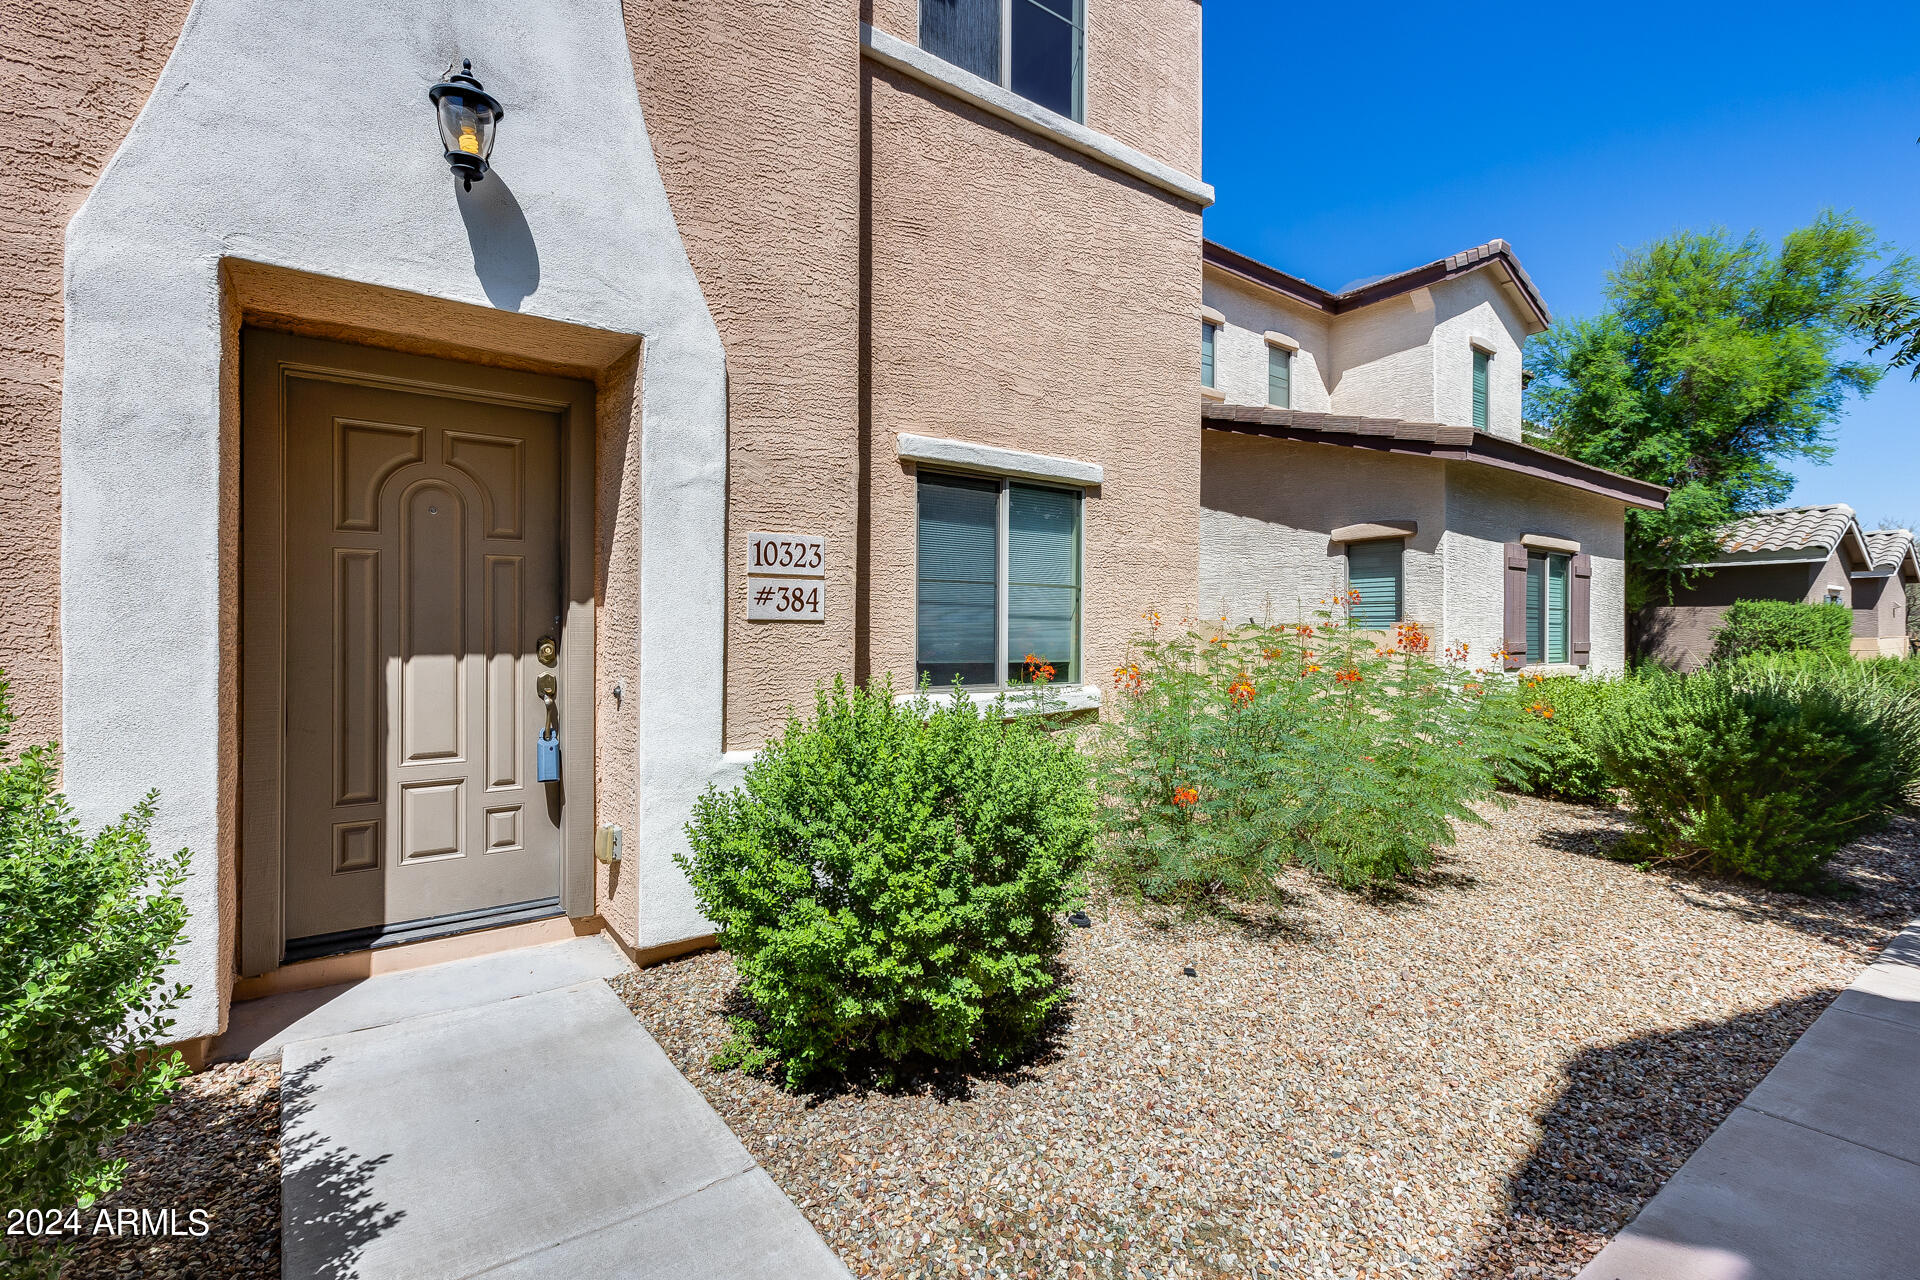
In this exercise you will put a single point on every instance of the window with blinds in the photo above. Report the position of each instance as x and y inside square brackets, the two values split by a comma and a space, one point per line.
[1037, 48]
[1208, 329]
[1373, 569]
[1480, 362]
[1279, 377]
[1547, 618]
[979, 614]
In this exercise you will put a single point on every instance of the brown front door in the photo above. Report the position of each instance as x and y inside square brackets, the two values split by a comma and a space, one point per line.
[423, 562]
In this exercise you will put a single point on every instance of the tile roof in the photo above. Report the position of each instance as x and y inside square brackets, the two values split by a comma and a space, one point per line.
[1789, 529]
[1494, 253]
[1430, 439]
[1887, 548]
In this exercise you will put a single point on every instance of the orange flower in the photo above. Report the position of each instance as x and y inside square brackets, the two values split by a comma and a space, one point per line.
[1350, 676]
[1186, 797]
[1303, 630]
[1473, 688]
[1127, 678]
[1273, 655]
[1038, 671]
[1153, 618]
[1411, 637]
[1312, 667]
[1241, 691]
[1542, 710]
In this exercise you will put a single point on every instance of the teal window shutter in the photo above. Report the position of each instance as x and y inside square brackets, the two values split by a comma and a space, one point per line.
[1207, 331]
[1279, 377]
[957, 606]
[1373, 569]
[1480, 361]
[1043, 581]
[1547, 616]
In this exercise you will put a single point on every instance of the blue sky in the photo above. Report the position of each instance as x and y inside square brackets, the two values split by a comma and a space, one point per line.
[1346, 141]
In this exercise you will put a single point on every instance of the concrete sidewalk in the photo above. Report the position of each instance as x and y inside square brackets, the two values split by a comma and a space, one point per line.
[462, 1125]
[1817, 1172]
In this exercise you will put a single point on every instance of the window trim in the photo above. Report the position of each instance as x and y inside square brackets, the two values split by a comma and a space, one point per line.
[1002, 556]
[1481, 380]
[1285, 357]
[1209, 354]
[1003, 72]
[1398, 542]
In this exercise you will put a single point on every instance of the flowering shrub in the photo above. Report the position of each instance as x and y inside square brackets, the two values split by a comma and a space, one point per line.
[889, 880]
[1237, 751]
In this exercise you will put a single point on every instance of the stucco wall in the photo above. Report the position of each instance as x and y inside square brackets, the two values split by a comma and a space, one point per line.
[1411, 356]
[1680, 634]
[1268, 506]
[73, 76]
[573, 226]
[1487, 508]
[990, 325]
[1240, 348]
[1469, 309]
[755, 114]
[1143, 71]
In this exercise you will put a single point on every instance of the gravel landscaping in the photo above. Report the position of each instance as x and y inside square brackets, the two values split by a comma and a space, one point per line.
[1485, 1074]
[215, 1146]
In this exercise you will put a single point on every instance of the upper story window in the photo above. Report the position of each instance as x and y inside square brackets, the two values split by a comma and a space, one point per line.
[1279, 377]
[1037, 48]
[1481, 359]
[999, 579]
[1209, 332]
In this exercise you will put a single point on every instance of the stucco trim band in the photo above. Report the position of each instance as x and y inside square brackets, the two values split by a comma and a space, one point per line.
[991, 460]
[1375, 531]
[911, 60]
[1541, 542]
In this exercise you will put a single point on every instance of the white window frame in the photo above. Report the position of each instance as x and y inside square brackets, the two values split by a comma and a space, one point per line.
[1003, 519]
[1077, 107]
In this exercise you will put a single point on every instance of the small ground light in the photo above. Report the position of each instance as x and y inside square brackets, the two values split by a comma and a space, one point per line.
[466, 114]
[1191, 972]
[1080, 920]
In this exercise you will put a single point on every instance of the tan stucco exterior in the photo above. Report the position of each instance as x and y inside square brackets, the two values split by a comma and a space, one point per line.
[990, 326]
[1680, 634]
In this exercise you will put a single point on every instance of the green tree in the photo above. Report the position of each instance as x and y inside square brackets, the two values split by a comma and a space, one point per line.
[1891, 318]
[1717, 361]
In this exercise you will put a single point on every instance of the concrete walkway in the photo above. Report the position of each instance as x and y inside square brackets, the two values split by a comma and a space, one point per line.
[507, 1116]
[1817, 1173]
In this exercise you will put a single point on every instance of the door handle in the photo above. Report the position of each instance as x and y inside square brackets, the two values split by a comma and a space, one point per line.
[547, 750]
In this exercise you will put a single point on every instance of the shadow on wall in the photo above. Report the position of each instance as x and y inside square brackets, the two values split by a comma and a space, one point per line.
[1627, 1116]
[505, 258]
[330, 1215]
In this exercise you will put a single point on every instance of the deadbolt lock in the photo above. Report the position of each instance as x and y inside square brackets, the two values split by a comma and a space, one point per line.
[547, 651]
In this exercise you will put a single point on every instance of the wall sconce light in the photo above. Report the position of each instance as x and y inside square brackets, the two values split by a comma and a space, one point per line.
[467, 114]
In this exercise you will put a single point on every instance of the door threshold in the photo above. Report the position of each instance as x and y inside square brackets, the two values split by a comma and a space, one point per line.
[458, 943]
[422, 930]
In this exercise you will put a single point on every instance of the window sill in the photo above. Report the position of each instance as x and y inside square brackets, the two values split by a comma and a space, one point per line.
[911, 60]
[1551, 669]
[1212, 393]
[1061, 699]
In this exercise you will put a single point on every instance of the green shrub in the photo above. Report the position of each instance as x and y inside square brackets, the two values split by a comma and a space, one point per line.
[889, 880]
[1782, 626]
[1565, 764]
[88, 926]
[1884, 693]
[1235, 752]
[1732, 777]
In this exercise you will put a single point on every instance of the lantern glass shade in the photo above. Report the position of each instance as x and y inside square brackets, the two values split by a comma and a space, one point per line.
[466, 125]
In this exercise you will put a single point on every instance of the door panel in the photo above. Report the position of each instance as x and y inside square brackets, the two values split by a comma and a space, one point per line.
[422, 566]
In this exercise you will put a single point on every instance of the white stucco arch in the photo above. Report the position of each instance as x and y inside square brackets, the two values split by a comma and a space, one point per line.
[303, 139]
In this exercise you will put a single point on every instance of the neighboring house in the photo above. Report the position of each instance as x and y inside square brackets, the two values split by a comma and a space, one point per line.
[1813, 555]
[331, 485]
[1371, 439]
